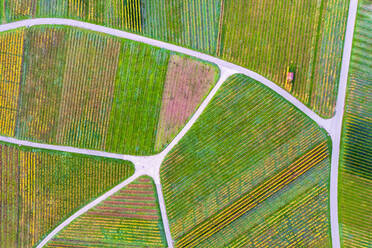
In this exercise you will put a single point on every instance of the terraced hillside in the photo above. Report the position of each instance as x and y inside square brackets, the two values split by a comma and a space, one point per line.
[265, 36]
[355, 181]
[71, 87]
[39, 189]
[129, 218]
[251, 165]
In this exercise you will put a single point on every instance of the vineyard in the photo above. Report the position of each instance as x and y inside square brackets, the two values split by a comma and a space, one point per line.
[39, 189]
[253, 170]
[327, 56]
[263, 36]
[88, 90]
[11, 54]
[114, 13]
[186, 83]
[137, 99]
[190, 23]
[45, 55]
[355, 181]
[129, 218]
[244, 152]
[278, 34]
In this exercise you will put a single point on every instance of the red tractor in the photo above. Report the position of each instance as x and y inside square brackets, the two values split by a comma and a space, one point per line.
[290, 77]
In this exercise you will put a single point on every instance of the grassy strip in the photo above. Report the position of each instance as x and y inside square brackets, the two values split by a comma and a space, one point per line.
[137, 99]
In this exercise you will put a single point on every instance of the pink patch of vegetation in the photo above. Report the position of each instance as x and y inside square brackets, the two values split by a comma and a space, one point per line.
[187, 83]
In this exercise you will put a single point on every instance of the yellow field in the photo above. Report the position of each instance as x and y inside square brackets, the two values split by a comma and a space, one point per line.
[28, 214]
[11, 51]
[76, 7]
[20, 7]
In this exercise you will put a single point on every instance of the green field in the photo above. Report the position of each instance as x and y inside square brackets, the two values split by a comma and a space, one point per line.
[137, 99]
[190, 23]
[264, 36]
[68, 86]
[39, 189]
[45, 57]
[89, 90]
[235, 159]
[268, 36]
[355, 180]
[129, 218]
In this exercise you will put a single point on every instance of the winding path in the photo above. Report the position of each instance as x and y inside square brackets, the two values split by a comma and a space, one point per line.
[150, 165]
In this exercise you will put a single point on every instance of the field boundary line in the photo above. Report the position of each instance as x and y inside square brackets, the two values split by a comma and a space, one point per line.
[69, 149]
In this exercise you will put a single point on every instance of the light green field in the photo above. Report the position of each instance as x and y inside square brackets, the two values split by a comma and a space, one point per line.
[137, 99]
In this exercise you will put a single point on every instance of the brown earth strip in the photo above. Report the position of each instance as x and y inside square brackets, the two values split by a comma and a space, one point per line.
[139, 186]
[144, 180]
[64, 245]
[130, 203]
[129, 197]
[144, 192]
[220, 27]
[134, 216]
[127, 209]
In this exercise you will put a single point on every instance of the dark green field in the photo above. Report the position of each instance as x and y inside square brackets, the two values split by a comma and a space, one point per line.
[355, 180]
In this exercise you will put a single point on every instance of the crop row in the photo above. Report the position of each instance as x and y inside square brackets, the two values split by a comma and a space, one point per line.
[265, 36]
[115, 13]
[246, 135]
[11, 53]
[304, 217]
[328, 56]
[130, 217]
[355, 181]
[93, 91]
[190, 23]
[39, 189]
[251, 199]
